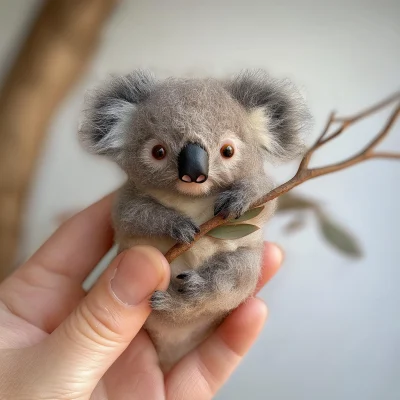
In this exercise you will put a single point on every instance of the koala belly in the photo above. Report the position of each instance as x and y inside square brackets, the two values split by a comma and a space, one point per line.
[173, 338]
[175, 334]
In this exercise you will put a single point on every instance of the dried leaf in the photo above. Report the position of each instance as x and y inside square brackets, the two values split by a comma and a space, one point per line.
[297, 223]
[289, 201]
[250, 214]
[338, 237]
[232, 231]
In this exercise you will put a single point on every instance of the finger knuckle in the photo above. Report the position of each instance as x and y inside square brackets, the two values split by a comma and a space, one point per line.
[99, 324]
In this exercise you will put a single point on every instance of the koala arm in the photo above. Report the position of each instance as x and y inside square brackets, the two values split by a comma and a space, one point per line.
[138, 214]
[237, 199]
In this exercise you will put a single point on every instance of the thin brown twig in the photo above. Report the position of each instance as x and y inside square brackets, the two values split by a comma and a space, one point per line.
[330, 121]
[371, 110]
[385, 155]
[304, 173]
[306, 159]
[363, 155]
[333, 135]
[347, 122]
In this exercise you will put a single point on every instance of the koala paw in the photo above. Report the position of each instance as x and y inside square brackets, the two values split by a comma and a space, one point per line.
[184, 230]
[161, 301]
[191, 284]
[182, 294]
[231, 203]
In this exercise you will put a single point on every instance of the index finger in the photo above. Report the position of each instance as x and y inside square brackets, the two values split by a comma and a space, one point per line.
[48, 286]
[79, 244]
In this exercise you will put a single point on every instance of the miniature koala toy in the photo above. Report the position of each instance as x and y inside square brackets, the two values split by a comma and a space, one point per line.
[191, 149]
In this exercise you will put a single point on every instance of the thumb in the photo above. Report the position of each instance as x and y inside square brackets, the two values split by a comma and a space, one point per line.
[88, 342]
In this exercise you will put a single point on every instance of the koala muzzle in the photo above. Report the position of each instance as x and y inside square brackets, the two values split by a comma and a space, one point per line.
[193, 164]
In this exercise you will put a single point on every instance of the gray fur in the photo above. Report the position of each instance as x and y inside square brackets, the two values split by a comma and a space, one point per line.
[109, 108]
[282, 103]
[263, 118]
[238, 198]
[194, 293]
[137, 214]
[122, 116]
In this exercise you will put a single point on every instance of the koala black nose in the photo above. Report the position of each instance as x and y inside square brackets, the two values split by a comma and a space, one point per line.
[193, 164]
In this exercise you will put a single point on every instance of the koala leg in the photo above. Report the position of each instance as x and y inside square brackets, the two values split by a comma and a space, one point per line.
[198, 300]
[219, 285]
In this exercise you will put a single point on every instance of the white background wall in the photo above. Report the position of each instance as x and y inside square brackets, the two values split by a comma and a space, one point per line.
[334, 328]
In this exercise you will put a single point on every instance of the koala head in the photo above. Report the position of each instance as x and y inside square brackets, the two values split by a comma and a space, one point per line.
[194, 136]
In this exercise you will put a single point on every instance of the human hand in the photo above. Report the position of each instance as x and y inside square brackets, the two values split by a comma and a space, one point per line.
[57, 342]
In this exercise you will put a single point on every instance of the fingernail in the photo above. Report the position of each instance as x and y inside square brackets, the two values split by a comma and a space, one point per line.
[138, 274]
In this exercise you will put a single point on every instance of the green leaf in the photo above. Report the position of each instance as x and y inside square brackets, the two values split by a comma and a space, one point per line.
[232, 231]
[338, 237]
[289, 201]
[250, 214]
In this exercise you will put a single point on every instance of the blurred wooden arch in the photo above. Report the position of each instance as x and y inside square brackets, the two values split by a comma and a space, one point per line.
[59, 45]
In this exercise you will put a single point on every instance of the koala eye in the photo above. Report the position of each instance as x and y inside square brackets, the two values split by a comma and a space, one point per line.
[227, 151]
[159, 152]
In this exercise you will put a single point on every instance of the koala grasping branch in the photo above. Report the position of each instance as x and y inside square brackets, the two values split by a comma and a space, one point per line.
[193, 149]
[304, 173]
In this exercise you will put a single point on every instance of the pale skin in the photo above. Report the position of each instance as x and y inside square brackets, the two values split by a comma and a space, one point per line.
[57, 342]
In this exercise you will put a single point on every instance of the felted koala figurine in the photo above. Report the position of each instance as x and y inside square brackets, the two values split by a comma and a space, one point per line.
[193, 148]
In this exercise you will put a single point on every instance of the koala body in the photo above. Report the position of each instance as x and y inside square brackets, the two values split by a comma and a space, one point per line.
[191, 149]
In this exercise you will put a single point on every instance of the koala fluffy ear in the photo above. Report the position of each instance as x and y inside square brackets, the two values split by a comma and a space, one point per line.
[278, 113]
[109, 110]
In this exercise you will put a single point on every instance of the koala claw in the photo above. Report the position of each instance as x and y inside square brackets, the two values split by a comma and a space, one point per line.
[188, 286]
[185, 231]
[222, 210]
[230, 204]
[160, 300]
[191, 284]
